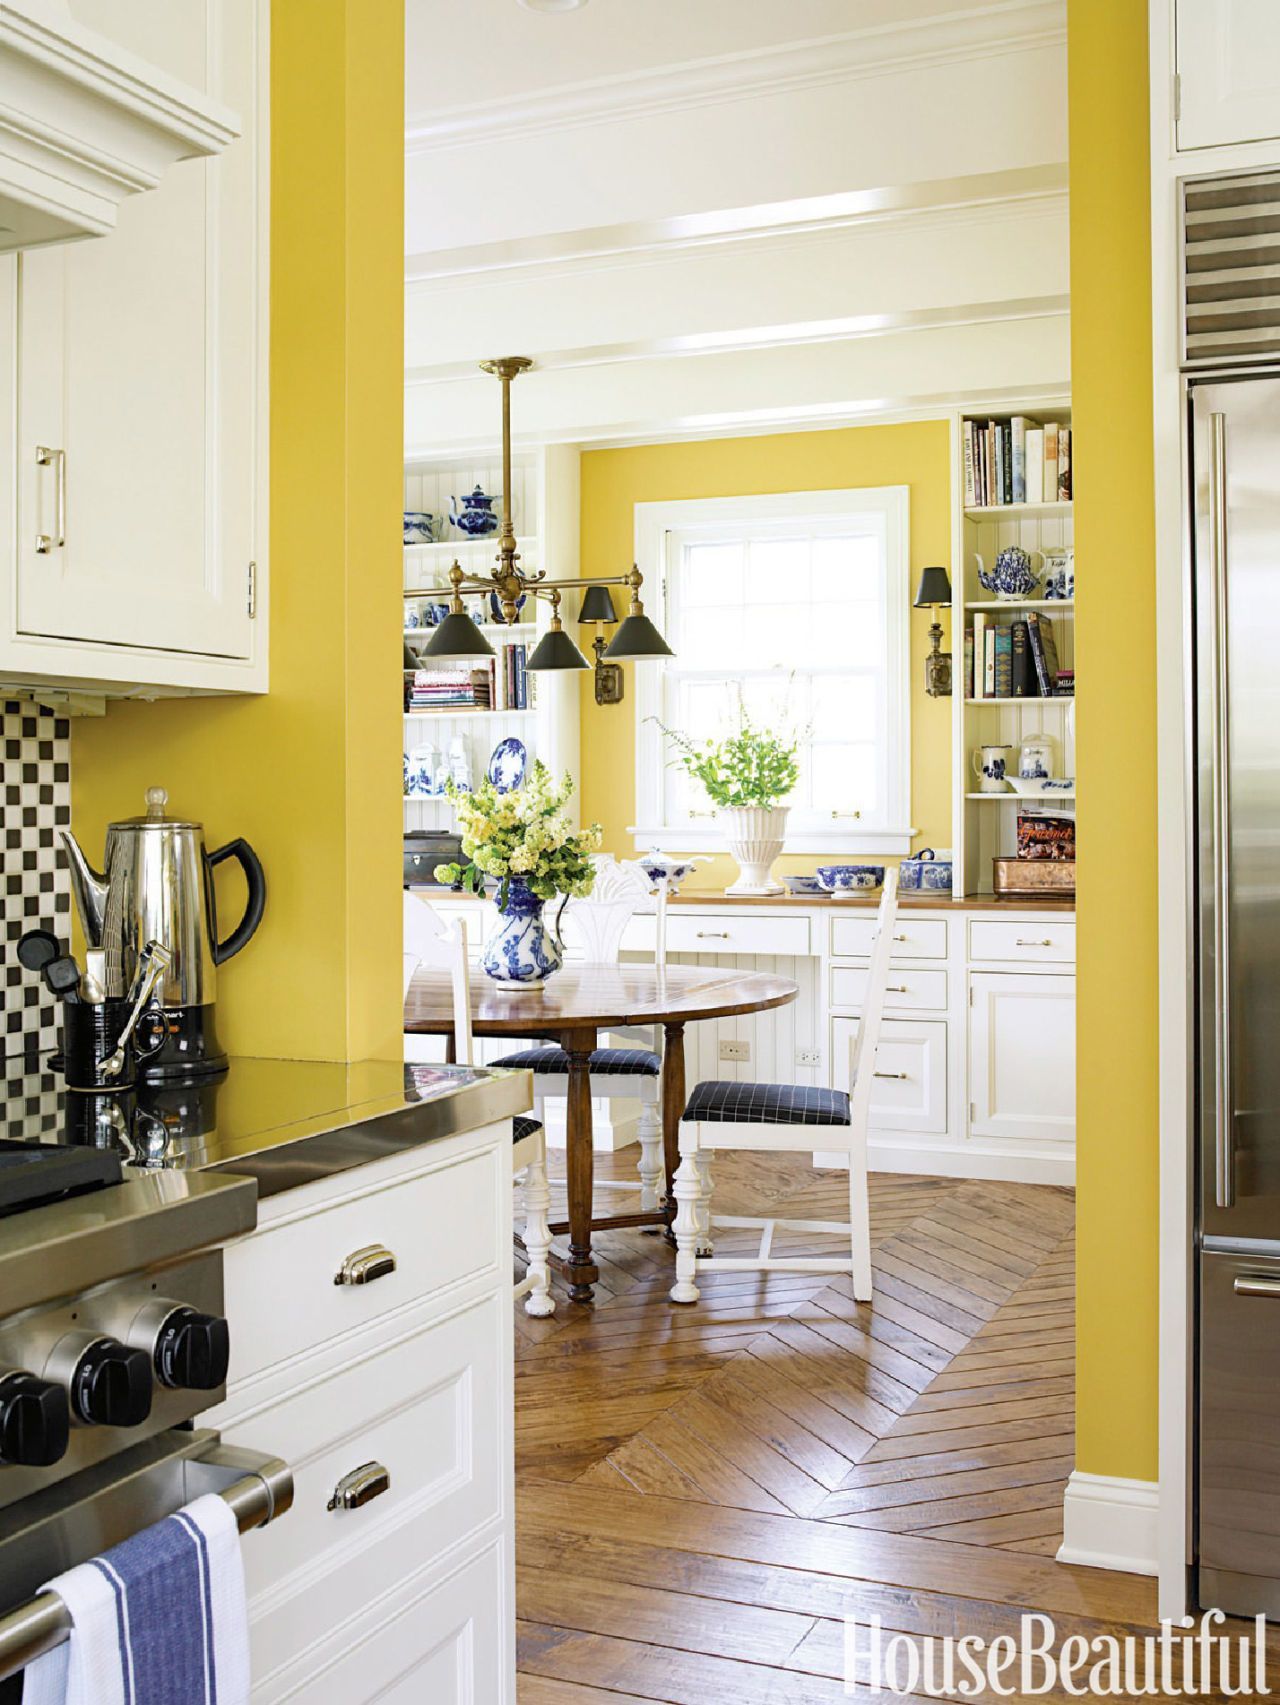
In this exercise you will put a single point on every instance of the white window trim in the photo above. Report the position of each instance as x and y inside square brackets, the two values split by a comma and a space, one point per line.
[653, 521]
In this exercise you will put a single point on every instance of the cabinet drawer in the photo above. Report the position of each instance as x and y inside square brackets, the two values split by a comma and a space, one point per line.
[281, 1295]
[1052, 939]
[913, 938]
[908, 989]
[429, 1409]
[910, 1090]
[450, 1646]
[734, 933]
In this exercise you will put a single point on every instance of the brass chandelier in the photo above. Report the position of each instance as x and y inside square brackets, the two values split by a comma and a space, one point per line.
[458, 639]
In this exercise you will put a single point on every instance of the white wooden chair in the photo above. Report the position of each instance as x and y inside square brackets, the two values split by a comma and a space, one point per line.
[596, 925]
[429, 940]
[785, 1116]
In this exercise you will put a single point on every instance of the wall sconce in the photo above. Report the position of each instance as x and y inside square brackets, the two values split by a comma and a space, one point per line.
[597, 607]
[935, 591]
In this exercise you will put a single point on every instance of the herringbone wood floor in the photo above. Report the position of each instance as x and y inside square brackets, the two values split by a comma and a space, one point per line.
[705, 1492]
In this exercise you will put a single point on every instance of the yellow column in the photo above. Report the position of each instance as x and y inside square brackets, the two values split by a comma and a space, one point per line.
[1117, 938]
[310, 772]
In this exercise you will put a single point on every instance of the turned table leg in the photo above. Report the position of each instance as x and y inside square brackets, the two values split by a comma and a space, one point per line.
[581, 1271]
[673, 1100]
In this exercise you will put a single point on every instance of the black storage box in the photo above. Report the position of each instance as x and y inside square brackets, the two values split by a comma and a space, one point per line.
[424, 849]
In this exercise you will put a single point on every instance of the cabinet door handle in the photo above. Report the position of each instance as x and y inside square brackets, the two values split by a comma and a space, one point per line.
[365, 1265]
[1047, 942]
[898, 1077]
[712, 935]
[1254, 1285]
[361, 1486]
[897, 938]
[45, 458]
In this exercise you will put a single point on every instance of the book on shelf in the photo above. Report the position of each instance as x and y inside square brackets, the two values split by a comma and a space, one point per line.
[1018, 460]
[516, 683]
[1017, 659]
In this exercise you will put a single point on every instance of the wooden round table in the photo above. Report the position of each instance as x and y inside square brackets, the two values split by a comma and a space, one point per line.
[572, 1008]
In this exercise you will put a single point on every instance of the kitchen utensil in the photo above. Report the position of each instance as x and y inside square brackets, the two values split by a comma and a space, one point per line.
[37, 948]
[158, 886]
[156, 959]
[94, 985]
[62, 978]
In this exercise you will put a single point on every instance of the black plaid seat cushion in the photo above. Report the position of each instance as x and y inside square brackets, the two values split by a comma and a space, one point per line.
[716, 1102]
[522, 1128]
[605, 1062]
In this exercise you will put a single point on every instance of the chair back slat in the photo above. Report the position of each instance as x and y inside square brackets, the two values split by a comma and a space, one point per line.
[430, 940]
[862, 1050]
[597, 924]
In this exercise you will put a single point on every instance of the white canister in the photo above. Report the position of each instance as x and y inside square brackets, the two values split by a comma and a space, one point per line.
[1038, 758]
[989, 765]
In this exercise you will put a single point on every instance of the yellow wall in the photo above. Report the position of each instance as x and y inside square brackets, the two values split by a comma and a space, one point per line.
[613, 481]
[310, 773]
[1115, 642]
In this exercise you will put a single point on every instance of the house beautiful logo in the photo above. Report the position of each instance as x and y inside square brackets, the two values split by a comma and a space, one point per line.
[1183, 1661]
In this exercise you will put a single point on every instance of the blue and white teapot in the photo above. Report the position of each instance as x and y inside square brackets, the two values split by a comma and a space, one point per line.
[476, 518]
[1013, 577]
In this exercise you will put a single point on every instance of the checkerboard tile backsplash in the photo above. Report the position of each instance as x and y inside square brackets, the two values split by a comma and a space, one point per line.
[36, 891]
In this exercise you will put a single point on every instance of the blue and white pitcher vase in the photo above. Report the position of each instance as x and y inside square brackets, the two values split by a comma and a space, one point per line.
[522, 952]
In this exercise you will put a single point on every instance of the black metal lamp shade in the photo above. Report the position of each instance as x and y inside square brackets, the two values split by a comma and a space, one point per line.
[636, 641]
[456, 640]
[597, 606]
[555, 650]
[934, 588]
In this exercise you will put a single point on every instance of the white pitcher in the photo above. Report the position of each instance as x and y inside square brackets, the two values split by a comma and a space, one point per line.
[989, 765]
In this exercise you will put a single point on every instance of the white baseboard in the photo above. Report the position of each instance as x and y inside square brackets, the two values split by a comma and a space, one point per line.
[1109, 1523]
[611, 1127]
[961, 1160]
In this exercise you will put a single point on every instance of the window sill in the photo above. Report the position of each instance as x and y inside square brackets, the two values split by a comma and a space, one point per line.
[848, 840]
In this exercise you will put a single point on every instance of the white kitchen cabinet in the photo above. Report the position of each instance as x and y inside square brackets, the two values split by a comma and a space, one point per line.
[1022, 1080]
[136, 365]
[1228, 69]
[910, 1090]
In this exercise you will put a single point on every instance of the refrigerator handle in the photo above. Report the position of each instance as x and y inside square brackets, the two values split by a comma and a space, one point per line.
[1248, 1285]
[1224, 1145]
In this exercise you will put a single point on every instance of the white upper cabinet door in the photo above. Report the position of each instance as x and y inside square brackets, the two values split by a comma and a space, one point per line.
[140, 442]
[1022, 1055]
[1228, 63]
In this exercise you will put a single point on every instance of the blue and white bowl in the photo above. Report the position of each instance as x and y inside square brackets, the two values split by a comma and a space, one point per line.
[841, 880]
[804, 885]
[421, 527]
[928, 870]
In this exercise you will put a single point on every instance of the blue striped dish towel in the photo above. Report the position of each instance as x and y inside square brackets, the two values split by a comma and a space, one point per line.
[158, 1620]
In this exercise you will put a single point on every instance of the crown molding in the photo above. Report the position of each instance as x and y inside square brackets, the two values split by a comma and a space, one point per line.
[940, 201]
[1010, 26]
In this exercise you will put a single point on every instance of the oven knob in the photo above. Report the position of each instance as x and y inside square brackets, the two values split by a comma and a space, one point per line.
[111, 1385]
[192, 1351]
[35, 1422]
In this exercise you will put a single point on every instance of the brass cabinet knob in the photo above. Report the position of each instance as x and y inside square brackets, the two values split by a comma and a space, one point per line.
[365, 1265]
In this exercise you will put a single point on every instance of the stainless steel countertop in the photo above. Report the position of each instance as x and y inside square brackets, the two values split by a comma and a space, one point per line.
[281, 1122]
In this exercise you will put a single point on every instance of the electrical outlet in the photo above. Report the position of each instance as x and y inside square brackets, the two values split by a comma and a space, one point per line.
[735, 1050]
[808, 1056]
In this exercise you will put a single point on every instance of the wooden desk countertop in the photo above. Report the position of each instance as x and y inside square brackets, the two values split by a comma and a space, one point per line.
[933, 902]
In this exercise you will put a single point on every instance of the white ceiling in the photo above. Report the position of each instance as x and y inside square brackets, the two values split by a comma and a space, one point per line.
[706, 215]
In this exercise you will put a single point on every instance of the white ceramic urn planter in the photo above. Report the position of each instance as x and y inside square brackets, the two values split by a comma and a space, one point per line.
[755, 840]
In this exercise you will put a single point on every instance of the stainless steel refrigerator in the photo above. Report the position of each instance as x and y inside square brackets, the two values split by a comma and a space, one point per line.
[1234, 478]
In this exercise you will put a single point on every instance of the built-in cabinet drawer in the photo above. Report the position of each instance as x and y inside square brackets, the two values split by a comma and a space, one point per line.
[1033, 939]
[909, 988]
[910, 1091]
[276, 1319]
[913, 938]
[450, 1646]
[427, 1409]
[732, 932]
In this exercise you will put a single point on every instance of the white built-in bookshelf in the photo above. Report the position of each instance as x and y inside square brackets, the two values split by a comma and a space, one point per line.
[545, 518]
[985, 826]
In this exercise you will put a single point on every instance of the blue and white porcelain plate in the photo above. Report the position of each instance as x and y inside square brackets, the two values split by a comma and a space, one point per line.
[507, 764]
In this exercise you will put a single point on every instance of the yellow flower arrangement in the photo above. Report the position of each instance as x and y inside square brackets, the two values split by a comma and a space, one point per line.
[525, 833]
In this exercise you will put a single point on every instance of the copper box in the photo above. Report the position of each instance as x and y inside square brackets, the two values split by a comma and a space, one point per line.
[1033, 878]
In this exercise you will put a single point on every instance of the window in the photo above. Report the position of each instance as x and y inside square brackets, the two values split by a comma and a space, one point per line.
[795, 605]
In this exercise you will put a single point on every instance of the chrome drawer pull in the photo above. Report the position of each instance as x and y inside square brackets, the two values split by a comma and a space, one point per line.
[898, 1077]
[713, 935]
[896, 989]
[368, 1481]
[365, 1265]
[1256, 1287]
[1021, 943]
